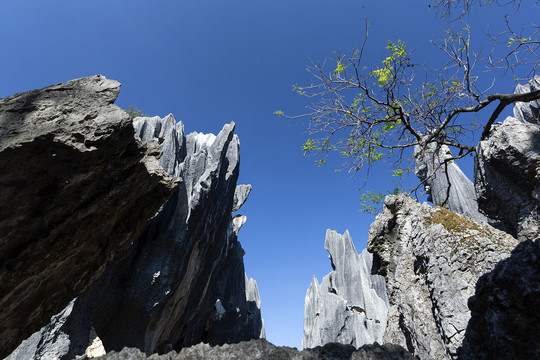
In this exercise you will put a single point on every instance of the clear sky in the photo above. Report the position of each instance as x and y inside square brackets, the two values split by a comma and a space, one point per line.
[210, 62]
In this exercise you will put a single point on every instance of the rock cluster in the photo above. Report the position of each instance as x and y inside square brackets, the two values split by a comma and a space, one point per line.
[76, 188]
[263, 350]
[457, 287]
[181, 281]
[350, 305]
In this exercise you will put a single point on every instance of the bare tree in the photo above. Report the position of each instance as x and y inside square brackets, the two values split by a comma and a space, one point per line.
[370, 112]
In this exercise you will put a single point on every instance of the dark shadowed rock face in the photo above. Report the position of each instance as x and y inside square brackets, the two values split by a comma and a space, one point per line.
[445, 183]
[432, 259]
[350, 306]
[505, 321]
[76, 187]
[263, 350]
[182, 281]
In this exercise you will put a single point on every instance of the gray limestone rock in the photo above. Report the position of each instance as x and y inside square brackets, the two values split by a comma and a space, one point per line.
[350, 306]
[169, 135]
[505, 322]
[507, 176]
[183, 280]
[262, 349]
[240, 196]
[76, 188]
[445, 183]
[528, 112]
[253, 298]
[432, 259]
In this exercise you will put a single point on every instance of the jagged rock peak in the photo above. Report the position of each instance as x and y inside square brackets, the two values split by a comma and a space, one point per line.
[78, 188]
[445, 183]
[431, 259]
[169, 135]
[182, 281]
[350, 305]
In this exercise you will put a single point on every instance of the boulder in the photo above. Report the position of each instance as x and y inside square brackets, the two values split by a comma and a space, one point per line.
[262, 349]
[182, 281]
[507, 176]
[350, 306]
[432, 259]
[76, 188]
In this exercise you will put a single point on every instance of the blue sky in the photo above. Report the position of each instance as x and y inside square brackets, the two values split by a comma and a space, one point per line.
[212, 62]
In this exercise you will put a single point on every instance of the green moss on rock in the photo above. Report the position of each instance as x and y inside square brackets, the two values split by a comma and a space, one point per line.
[471, 231]
[451, 221]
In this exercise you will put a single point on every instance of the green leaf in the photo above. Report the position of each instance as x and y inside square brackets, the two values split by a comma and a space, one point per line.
[309, 145]
[320, 162]
[339, 68]
[370, 202]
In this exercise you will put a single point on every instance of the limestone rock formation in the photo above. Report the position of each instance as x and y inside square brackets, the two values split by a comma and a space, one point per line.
[263, 350]
[445, 183]
[182, 281]
[505, 322]
[350, 306]
[432, 259]
[507, 175]
[76, 188]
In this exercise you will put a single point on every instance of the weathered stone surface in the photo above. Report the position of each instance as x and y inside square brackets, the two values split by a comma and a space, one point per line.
[350, 306]
[262, 349]
[507, 176]
[432, 259]
[445, 183]
[76, 187]
[51, 333]
[528, 111]
[505, 321]
[182, 281]
[240, 196]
